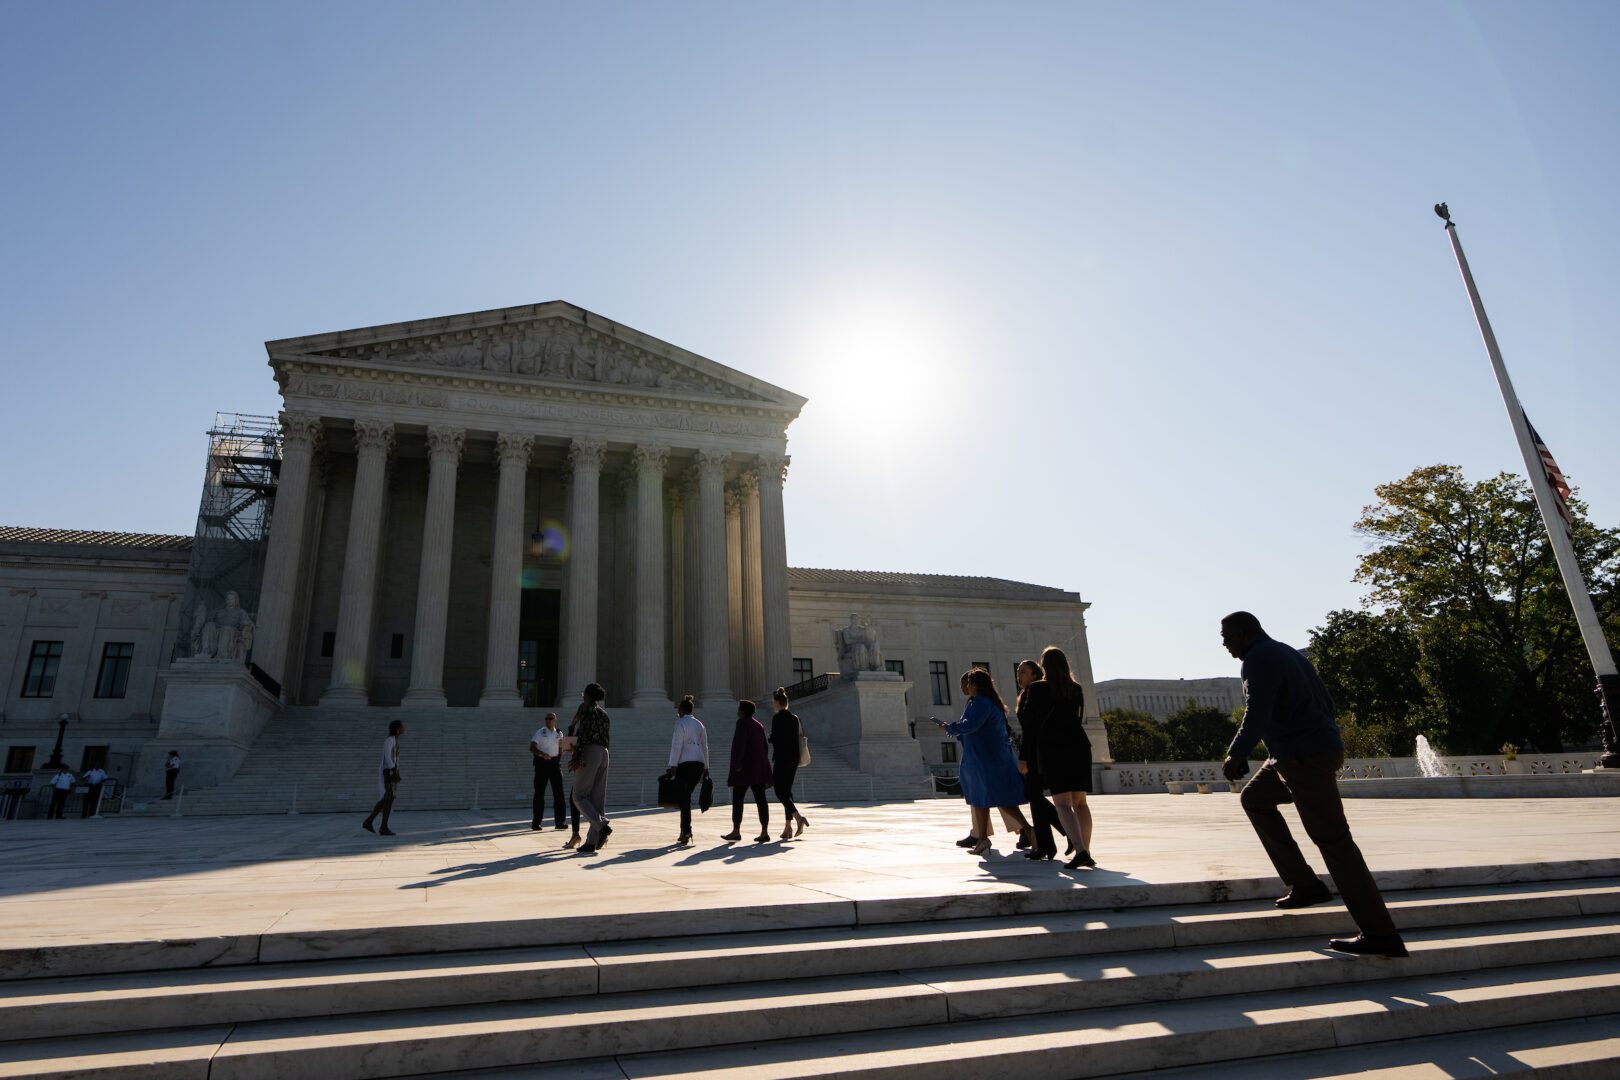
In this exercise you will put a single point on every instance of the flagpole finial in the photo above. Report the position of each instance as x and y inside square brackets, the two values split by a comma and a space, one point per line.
[1444, 211]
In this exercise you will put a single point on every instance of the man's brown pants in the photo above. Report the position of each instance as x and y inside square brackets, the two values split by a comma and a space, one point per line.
[1311, 784]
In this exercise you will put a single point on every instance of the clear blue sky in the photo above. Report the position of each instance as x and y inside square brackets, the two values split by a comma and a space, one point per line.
[1141, 300]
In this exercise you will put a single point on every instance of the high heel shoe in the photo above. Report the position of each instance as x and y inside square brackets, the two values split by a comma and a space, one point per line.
[804, 823]
[1026, 839]
[967, 841]
[980, 848]
[1041, 853]
[787, 833]
[1080, 861]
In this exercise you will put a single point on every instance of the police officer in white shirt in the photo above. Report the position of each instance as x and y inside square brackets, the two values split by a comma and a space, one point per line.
[92, 798]
[688, 760]
[61, 784]
[546, 746]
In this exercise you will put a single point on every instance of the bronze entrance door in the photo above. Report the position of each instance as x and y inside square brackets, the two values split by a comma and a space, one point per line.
[537, 647]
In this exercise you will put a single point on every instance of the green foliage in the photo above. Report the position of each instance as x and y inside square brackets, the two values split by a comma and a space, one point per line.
[1473, 641]
[1199, 733]
[1135, 736]
[1363, 742]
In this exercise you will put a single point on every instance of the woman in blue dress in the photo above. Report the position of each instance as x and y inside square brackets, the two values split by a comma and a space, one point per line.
[989, 770]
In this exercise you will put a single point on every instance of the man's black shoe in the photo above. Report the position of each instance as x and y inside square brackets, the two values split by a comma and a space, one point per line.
[1304, 896]
[1362, 945]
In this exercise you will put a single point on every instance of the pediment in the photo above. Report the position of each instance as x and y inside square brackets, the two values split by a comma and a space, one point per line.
[551, 342]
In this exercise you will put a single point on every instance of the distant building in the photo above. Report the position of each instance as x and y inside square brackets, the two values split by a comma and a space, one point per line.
[1161, 697]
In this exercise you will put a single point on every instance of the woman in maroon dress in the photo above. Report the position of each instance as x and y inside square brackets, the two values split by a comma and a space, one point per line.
[750, 769]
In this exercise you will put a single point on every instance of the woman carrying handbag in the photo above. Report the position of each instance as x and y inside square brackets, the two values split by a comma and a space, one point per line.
[787, 746]
[688, 762]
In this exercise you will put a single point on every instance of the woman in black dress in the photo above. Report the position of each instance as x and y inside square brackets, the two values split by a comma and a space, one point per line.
[785, 732]
[1064, 750]
[1031, 713]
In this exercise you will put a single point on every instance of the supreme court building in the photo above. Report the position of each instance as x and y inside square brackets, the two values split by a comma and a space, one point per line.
[482, 512]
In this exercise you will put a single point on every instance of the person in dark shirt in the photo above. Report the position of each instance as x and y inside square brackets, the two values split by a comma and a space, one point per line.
[1287, 706]
[785, 733]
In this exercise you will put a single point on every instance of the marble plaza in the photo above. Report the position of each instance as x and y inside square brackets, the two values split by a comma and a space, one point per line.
[303, 947]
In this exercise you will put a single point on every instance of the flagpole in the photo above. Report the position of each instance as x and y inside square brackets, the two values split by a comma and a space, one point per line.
[1597, 646]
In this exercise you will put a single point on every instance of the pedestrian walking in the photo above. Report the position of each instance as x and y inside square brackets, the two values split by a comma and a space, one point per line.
[61, 786]
[989, 770]
[787, 737]
[1042, 813]
[750, 771]
[387, 781]
[688, 760]
[590, 768]
[96, 777]
[1056, 704]
[1286, 706]
[546, 746]
[171, 773]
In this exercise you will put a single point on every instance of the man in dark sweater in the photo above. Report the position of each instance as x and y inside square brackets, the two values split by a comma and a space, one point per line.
[1287, 706]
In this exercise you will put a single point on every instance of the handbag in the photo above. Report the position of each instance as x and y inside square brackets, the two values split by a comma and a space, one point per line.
[804, 747]
[706, 795]
[669, 793]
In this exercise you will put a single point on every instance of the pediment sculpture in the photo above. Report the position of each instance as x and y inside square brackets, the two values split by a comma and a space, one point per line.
[551, 349]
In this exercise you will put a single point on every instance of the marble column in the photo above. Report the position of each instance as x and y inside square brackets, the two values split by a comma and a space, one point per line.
[753, 606]
[374, 440]
[506, 574]
[283, 562]
[734, 593]
[714, 613]
[676, 588]
[433, 581]
[648, 463]
[579, 617]
[690, 629]
[772, 474]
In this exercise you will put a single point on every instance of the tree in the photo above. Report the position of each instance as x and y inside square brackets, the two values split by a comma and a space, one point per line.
[1135, 736]
[1199, 732]
[1370, 663]
[1468, 568]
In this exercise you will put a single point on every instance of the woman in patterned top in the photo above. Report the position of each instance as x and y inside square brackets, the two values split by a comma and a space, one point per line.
[590, 767]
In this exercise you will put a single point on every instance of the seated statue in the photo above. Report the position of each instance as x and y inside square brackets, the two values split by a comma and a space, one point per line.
[228, 634]
[857, 646]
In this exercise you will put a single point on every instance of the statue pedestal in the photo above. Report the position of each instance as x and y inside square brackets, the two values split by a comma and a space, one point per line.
[212, 712]
[863, 721]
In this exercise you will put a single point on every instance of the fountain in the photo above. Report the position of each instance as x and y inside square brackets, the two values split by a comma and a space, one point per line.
[1428, 761]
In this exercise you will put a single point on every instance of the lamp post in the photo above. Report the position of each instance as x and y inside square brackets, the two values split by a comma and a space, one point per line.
[56, 761]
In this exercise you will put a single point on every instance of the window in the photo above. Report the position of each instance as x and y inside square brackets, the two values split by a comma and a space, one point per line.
[939, 679]
[42, 663]
[947, 752]
[328, 643]
[896, 666]
[19, 759]
[116, 656]
[94, 757]
[396, 647]
[985, 664]
[804, 669]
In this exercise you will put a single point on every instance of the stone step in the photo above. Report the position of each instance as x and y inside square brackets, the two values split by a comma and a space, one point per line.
[1019, 960]
[877, 1025]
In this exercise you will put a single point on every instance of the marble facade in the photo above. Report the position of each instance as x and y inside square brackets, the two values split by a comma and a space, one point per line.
[419, 459]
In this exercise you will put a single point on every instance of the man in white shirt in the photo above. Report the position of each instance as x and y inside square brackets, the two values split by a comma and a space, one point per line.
[388, 780]
[92, 798]
[546, 746]
[688, 760]
[61, 784]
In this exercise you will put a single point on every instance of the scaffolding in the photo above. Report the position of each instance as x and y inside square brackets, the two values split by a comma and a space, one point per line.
[233, 519]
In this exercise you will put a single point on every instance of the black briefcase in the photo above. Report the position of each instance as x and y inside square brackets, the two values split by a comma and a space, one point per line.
[706, 797]
[669, 793]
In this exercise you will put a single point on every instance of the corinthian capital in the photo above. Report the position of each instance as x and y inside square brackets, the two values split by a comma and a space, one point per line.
[373, 437]
[748, 485]
[512, 449]
[300, 431]
[772, 468]
[649, 460]
[712, 463]
[586, 455]
[446, 442]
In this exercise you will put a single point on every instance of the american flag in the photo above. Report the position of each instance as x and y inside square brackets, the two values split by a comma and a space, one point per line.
[1555, 476]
